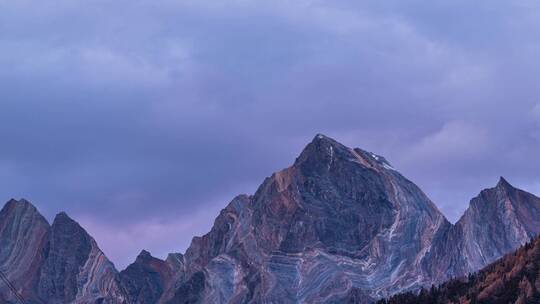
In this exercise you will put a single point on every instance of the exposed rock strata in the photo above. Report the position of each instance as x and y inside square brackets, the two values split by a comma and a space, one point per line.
[53, 264]
[343, 224]
[23, 235]
[339, 225]
[514, 278]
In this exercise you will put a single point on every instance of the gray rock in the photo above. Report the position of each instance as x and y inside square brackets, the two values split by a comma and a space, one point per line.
[340, 225]
[75, 270]
[145, 280]
[23, 235]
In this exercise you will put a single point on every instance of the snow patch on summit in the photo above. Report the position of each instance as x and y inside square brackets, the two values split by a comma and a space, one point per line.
[387, 166]
[382, 161]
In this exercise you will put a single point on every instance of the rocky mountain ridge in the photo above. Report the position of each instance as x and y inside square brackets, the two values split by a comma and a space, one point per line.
[58, 263]
[514, 278]
[339, 224]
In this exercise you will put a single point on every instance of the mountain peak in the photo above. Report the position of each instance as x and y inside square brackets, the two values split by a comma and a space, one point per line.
[145, 253]
[341, 210]
[62, 217]
[503, 184]
[323, 151]
[21, 201]
[21, 204]
[321, 140]
[143, 256]
[18, 208]
[497, 221]
[326, 140]
[23, 235]
[320, 136]
[503, 187]
[74, 257]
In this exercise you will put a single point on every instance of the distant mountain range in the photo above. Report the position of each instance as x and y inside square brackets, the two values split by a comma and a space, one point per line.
[339, 225]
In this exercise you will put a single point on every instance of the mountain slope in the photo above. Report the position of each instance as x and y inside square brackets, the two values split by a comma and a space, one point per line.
[75, 269]
[53, 264]
[338, 225]
[515, 278]
[23, 236]
[338, 219]
[145, 280]
[342, 224]
[498, 220]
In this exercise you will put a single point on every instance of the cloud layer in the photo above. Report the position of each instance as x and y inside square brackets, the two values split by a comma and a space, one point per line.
[142, 119]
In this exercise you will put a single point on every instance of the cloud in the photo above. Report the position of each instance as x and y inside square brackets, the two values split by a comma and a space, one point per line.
[135, 113]
[536, 111]
[456, 140]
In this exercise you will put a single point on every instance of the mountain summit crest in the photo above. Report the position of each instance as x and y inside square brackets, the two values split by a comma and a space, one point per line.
[338, 224]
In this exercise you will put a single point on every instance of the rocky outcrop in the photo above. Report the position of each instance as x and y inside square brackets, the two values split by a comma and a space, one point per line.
[338, 219]
[23, 235]
[75, 269]
[515, 278]
[498, 221]
[53, 264]
[145, 280]
[339, 225]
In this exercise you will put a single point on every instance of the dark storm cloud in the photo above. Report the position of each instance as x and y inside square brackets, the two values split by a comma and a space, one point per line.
[142, 119]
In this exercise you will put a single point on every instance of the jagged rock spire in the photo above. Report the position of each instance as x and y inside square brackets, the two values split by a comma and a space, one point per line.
[504, 184]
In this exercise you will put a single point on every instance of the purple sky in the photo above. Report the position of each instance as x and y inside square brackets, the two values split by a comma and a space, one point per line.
[142, 119]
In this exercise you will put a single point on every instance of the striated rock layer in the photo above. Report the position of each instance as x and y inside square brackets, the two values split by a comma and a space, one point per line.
[339, 225]
[337, 219]
[23, 235]
[144, 281]
[53, 264]
[514, 278]
[498, 221]
[75, 269]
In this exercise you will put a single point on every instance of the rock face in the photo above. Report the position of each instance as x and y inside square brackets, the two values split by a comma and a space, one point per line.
[515, 278]
[339, 225]
[23, 235]
[75, 269]
[145, 280]
[498, 221]
[337, 219]
[53, 264]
